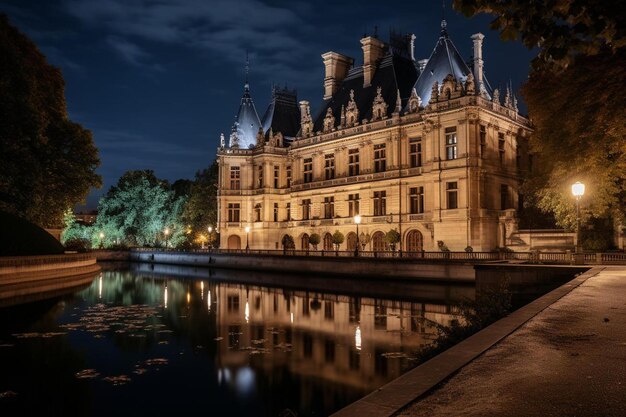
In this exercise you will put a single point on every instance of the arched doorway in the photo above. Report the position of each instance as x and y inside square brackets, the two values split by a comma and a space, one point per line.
[351, 241]
[234, 242]
[378, 242]
[414, 241]
[328, 242]
[304, 241]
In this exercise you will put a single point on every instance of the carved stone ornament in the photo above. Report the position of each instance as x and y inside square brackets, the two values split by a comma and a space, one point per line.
[234, 139]
[352, 111]
[496, 96]
[329, 120]
[450, 88]
[398, 103]
[342, 122]
[508, 102]
[415, 102]
[260, 137]
[222, 141]
[379, 107]
[470, 86]
[306, 121]
[434, 94]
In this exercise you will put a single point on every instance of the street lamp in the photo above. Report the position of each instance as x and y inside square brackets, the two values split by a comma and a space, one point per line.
[578, 190]
[247, 238]
[101, 240]
[357, 221]
[167, 233]
[210, 229]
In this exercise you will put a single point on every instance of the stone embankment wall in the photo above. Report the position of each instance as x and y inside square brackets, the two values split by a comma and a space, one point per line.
[21, 277]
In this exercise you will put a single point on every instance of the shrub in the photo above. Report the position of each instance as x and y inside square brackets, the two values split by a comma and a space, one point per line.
[314, 240]
[77, 245]
[469, 249]
[442, 246]
[392, 237]
[338, 239]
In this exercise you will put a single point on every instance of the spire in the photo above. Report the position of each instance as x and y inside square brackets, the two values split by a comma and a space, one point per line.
[444, 24]
[247, 85]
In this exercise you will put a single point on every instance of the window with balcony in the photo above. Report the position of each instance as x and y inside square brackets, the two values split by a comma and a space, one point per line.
[235, 178]
[353, 162]
[451, 143]
[288, 211]
[275, 212]
[260, 176]
[329, 207]
[276, 176]
[329, 166]
[380, 204]
[308, 170]
[258, 212]
[416, 200]
[451, 193]
[288, 176]
[353, 205]
[415, 152]
[234, 210]
[483, 141]
[380, 158]
[501, 144]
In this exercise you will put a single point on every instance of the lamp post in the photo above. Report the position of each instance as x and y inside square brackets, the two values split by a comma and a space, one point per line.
[167, 234]
[247, 238]
[101, 240]
[357, 221]
[578, 190]
[210, 244]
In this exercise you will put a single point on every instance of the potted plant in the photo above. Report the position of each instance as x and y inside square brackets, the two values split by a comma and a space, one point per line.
[338, 239]
[314, 240]
[392, 237]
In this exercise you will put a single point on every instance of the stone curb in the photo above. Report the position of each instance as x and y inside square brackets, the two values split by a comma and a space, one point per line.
[395, 395]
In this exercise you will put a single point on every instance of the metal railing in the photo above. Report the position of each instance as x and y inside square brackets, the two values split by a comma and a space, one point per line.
[526, 257]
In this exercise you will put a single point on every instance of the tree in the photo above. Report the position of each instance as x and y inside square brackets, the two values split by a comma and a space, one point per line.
[74, 230]
[288, 243]
[562, 29]
[47, 162]
[138, 210]
[580, 72]
[200, 211]
[392, 237]
[338, 239]
[314, 240]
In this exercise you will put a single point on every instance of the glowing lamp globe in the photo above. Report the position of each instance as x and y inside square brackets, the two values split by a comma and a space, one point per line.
[578, 189]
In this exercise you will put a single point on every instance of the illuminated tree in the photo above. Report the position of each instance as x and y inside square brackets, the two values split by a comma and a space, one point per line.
[314, 240]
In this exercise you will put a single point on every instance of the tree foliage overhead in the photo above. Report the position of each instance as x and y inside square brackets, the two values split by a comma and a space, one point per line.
[562, 29]
[575, 97]
[138, 210]
[47, 162]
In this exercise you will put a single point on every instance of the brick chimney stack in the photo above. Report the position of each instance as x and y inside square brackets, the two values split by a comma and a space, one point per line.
[373, 50]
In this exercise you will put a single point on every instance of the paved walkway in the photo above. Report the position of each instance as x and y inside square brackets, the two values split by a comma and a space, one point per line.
[569, 360]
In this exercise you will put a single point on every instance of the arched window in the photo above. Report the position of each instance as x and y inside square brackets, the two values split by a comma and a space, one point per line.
[328, 242]
[304, 241]
[234, 242]
[351, 241]
[378, 242]
[414, 241]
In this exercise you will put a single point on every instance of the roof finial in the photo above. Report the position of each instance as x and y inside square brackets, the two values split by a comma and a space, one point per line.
[247, 85]
[444, 24]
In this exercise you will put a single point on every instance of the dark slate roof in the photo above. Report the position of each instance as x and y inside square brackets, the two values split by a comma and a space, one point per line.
[444, 60]
[282, 114]
[395, 71]
[247, 120]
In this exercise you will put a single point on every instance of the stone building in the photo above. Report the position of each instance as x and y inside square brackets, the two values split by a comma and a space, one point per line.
[425, 147]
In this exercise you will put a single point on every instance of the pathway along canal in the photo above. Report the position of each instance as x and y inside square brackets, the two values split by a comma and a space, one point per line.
[152, 341]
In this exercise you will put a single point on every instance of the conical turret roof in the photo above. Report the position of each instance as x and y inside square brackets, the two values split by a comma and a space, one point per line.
[247, 120]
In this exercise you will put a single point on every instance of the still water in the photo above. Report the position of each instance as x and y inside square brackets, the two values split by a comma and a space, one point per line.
[175, 340]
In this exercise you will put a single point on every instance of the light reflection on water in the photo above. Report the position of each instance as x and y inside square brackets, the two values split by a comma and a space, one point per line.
[163, 342]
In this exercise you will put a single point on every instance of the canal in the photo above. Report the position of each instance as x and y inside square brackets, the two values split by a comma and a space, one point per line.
[149, 340]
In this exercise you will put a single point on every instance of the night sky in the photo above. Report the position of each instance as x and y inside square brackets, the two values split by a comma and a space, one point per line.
[156, 81]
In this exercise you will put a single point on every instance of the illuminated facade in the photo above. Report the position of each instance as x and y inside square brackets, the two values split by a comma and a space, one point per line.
[425, 147]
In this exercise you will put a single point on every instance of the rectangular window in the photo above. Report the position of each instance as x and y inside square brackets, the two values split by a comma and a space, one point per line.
[233, 303]
[306, 209]
[353, 162]
[501, 143]
[233, 212]
[329, 310]
[504, 197]
[260, 176]
[257, 212]
[415, 152]
[235, 178]
[353, 205]
[288, 211]
[451, 141]
[329, 207]
[416, 195]
[275, 212]
[276, 176]
[451, 191]
[483, 141]
[288, 176]
[380, 204]
[380, 158]
[329, 166]
[308, 170]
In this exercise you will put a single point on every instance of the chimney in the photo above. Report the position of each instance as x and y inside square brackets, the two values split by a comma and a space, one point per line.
[422, 64]
[336, 67]
[373, 50]
[477, 38]
[412, 46]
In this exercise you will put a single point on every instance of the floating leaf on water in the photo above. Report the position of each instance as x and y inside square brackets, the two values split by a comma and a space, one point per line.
[165, 331]
[164, 342]
[258, 341]
[140, 371]
[217, 339]
[87, 374]
[156, 361]
[6, 345]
